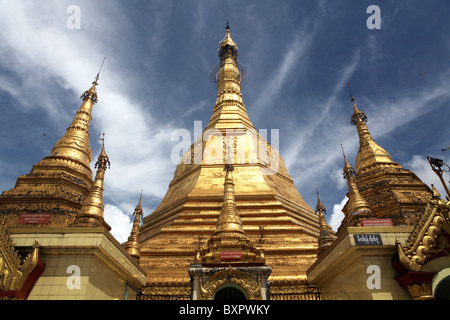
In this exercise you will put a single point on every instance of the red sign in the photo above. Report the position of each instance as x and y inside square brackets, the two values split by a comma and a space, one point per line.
[376, 223]
[34, 218]
[230, 255]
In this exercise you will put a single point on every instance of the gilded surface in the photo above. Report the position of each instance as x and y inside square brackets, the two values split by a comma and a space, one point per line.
[132, 245]
[91, 212]
[356, 206]
[230, 276]
[325, 238]
[14, 271]
[390, 190]
[414, 253]
[264, 193]
[59, 183]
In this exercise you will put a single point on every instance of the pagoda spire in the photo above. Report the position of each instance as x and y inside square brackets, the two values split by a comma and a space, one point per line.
[75, 144]
[325, 239]
[229, 222]
[132, 246]
[356, 204]
[229, 111]
[369, 151]
[91, 213]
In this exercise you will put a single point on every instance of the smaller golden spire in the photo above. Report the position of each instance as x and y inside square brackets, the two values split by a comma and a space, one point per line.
[356, 204]
[229, 222]
[369, 152]
[229, 236]
[91, 213]
[132, 245]
[325, 239]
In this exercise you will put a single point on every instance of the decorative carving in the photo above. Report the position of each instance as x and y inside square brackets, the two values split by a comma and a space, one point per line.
[14, 274]
[421, 291]
[230, 276]
[417, 248]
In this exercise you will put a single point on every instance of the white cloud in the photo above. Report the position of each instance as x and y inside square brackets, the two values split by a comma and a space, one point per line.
[337, 215]
[420, 166]
[337, 177]
[119, 222]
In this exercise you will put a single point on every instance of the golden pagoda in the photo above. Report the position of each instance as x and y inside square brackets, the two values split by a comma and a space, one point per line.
[269, 204]
[390, 190]
[53, 192]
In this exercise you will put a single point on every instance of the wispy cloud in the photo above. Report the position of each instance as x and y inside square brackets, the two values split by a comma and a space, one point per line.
[296, 51]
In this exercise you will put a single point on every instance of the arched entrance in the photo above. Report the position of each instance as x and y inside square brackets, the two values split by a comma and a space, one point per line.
[442, 291]
[230, 292]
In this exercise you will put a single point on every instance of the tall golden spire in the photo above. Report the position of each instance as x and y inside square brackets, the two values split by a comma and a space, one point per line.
[229, 222]
[75, 145]
[356, 204]
[369, 152]
[91, 213]
[325, 239]
[132, 246]
[229, 111]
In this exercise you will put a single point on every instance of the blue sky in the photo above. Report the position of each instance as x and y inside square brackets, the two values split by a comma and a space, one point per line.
[299, 56]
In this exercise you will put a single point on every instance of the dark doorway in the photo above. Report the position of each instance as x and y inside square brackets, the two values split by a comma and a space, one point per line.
[442, 291]
[229, 293]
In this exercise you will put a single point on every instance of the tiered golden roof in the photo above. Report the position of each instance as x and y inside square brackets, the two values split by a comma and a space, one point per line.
[59, 183]
[265, 194]
[390, 190]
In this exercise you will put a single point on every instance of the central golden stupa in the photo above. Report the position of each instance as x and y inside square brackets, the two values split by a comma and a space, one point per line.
[273, 213]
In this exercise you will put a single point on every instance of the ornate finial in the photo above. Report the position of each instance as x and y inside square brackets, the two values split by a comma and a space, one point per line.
[98, 74]
[351, 96]
[357, 115]
[320, 208]
[348, 169]
[342, 148]
[138, 210]
[91, 94]
[228, 48]
[103, 159]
